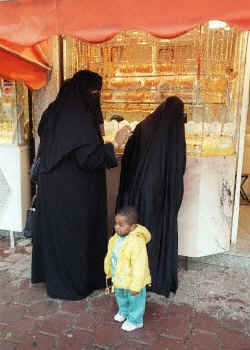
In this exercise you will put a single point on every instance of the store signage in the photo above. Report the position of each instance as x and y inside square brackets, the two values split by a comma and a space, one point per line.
[8, 88]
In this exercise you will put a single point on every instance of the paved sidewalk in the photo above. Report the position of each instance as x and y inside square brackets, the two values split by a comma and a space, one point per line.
[211, 311]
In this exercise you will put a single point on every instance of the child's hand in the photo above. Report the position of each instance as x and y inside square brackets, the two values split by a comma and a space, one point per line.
[132, 292]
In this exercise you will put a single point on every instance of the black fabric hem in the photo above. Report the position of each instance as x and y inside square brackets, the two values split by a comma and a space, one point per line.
[38, 281]
[52, 296]
[111, 158]
[73, 298]
[165, 293]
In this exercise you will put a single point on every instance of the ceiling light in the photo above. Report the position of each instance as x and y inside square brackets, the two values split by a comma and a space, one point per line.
[216, 24]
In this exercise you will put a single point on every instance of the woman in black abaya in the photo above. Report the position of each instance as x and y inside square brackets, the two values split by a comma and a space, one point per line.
[151, 179]
[69, 244]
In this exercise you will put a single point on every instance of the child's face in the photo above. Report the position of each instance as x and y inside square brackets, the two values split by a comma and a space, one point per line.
[122, 226]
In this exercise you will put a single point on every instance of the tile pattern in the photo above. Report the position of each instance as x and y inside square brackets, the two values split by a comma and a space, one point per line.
[211, 310]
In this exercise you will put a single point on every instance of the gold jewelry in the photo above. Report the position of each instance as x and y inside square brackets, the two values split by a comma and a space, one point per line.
[116, 146]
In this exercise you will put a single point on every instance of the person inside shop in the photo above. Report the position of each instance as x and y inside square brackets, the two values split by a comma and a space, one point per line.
[151, 179]
[126, 263]
[70, 239]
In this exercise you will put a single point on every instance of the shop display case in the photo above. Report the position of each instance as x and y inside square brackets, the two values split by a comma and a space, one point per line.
[206, 69]
[14, 156]
[203, 67]
[14, 120]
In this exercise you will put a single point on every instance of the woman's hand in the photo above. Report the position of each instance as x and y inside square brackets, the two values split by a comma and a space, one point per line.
[122, 136]
[133, 293]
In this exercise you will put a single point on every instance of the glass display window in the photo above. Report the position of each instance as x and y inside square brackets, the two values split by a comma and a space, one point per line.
[14, 118]
[203, 67]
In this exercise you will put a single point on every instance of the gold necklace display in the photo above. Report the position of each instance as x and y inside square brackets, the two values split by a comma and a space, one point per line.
[203, 67]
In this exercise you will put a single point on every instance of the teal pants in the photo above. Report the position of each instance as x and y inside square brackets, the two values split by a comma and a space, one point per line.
[131, 307]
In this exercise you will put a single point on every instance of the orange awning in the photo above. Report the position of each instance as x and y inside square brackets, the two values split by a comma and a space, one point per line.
[27, 64]
[28, 22]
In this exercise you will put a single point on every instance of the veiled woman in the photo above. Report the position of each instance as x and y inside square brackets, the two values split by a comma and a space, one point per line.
[69, 244]
[151, 179]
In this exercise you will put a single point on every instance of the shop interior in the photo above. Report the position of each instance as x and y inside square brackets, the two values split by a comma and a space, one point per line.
[203, 67]
[14, 113]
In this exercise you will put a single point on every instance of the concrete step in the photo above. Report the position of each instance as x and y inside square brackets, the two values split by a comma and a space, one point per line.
[232, 258]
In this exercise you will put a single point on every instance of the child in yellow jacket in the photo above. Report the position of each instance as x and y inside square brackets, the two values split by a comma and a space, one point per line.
[126, 263]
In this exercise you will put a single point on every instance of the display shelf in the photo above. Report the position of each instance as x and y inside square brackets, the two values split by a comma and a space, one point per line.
[203, 67]
[13, 113]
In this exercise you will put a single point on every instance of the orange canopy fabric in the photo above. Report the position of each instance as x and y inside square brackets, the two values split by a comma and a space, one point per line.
[28, 22]
[23, 63]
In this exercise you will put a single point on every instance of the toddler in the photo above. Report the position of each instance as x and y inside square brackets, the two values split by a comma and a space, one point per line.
[126, 263]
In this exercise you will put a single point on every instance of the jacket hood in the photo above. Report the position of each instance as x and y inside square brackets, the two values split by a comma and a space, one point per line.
[143, 232]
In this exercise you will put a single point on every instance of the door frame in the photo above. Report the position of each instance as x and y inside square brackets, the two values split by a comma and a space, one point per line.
[242, 131]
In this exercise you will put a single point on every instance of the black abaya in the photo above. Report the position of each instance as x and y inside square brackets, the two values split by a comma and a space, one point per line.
[69, 244]
[151, 179]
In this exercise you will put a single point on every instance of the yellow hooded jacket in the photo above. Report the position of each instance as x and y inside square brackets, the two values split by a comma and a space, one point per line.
[132, 270]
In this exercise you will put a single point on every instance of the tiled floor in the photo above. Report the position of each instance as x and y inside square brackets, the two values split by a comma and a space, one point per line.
[211, 311]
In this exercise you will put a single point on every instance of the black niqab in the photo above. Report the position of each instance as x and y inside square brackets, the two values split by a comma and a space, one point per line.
[71, 121]
[152, 180]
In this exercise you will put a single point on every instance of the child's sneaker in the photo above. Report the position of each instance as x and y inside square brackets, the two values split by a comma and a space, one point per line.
[128, 327]
[119, 318]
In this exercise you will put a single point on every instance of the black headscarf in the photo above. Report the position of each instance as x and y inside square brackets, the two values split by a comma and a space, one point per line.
[72, 120]
[152, 180]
